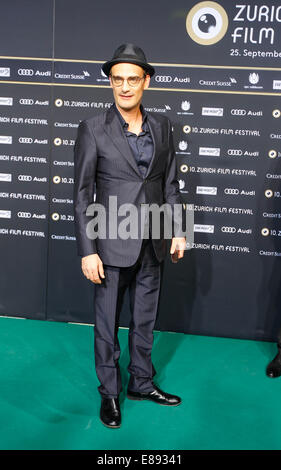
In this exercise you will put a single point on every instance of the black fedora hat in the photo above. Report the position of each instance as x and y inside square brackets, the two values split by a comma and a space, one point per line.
[131, 54]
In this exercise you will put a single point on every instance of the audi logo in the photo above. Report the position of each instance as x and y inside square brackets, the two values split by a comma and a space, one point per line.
[163, 78]
[26, 101]
[238, 112]
[24, 215]
[28, 72]
[25, 140]
[231, 191]
[228, 229]
[235, 152]
[25, 178]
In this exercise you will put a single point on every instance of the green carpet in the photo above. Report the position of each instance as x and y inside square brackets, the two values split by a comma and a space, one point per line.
[49, 398]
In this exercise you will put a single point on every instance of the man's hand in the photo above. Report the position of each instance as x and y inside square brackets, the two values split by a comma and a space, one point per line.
[92, 268]
[177, 249]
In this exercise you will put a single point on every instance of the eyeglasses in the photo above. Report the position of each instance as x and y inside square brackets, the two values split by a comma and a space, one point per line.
[132, 81]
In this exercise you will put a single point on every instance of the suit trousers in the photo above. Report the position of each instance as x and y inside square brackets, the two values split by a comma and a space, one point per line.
[143, 280]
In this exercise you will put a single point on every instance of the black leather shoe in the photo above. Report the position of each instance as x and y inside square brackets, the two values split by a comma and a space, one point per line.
[157, 395]
[110, 413]
[273, 369]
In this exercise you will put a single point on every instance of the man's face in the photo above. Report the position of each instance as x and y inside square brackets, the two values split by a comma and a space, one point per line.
[128, 97]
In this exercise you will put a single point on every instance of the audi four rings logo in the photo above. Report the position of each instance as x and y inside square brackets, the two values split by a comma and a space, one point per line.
[163, 78]
[26, 101]
[25, 178]
[24, 215]
[25, 140]
[238, 112]
[231, 191]
[228, 229]
[26, 72]
[234, 152]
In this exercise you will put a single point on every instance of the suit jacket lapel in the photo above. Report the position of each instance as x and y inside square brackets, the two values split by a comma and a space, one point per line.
[156, 134]
[114, 130]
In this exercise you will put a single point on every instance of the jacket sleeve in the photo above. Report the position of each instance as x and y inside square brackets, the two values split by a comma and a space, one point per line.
[85, 162]
[172, 193]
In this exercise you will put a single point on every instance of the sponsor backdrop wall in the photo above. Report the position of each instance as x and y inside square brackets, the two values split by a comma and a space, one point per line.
[218, 79]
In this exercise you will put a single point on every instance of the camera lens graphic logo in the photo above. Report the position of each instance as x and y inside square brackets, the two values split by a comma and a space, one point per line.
[207, 23]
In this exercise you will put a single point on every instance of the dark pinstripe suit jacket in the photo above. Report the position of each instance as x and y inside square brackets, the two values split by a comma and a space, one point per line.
[103, 156]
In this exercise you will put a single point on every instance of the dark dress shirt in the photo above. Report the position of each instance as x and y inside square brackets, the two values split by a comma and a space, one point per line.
[141, 145]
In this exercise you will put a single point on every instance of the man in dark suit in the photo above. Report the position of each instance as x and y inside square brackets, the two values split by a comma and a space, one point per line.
[128, 155]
